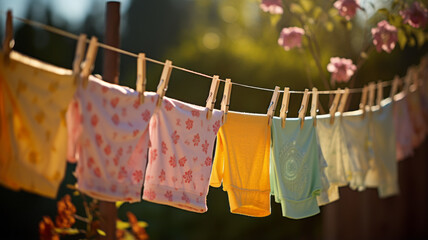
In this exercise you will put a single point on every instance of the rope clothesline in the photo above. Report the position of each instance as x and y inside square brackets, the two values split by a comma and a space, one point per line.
[131, 54]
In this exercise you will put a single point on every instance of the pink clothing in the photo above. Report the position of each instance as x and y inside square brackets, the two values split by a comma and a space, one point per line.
[403, 127]
[180, 156]
[108, 136]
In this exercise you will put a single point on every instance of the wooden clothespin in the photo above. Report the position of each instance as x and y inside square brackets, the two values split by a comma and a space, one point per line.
[379, 96]
[284, 106]
[314, 106]
[88, 67]
[372, 89]
[163, 83]
[363, 102]
[343, 101]
[394, 87]
[141, 76]
[226, 98]
[272, 105]
[8, 41]
[304, 107]
[334, 105]
[78, 55]
[212, 96]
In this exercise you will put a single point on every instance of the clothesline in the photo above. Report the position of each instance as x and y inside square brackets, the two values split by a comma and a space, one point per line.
[131, 54]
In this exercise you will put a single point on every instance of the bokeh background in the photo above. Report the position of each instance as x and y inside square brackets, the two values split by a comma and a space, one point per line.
[233, 39]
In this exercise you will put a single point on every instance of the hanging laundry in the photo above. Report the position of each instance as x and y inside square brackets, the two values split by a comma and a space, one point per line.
[109, 137]
[180, 155]
[295, 172]
[324, 196]
[33, 140]
[330, 141]
[241, 163]
[403, 127]
[357, 149]
[416, 116]
[383, 173]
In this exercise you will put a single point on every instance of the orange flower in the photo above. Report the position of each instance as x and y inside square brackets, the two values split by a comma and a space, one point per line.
[47, 229]
[138, 231]
[66, 211]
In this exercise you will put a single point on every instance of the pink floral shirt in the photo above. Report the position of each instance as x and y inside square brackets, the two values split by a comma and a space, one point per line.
[180, 156]
[108, 137]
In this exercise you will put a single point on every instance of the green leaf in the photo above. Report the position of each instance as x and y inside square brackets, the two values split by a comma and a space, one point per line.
[101, 232]
[412, 42]
[297, 9]
[383, 11]
[329, 26]
[122, 225]
[69, 231]
[333, 12]
[119, 203]
[143, 224]
[274, 19]
[307, 5]
[420, 37]
[317, 12]
[348, 25]
[402, 38]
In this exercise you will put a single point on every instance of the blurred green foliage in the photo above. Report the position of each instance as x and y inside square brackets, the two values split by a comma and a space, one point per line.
[233, 39]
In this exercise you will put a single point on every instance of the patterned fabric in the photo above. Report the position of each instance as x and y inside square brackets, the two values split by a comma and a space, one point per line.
[108, 137]
[180, 156]
[242, 163]
[34, 99]
[295, 176]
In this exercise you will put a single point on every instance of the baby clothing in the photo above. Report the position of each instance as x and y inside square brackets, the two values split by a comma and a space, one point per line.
[383, 172]
[180, 156]
[108, 137]
[295, 171]
[357, 147]
[403, 127]
[416, 116]
[33, 139]
[330, 141]
[241, 162]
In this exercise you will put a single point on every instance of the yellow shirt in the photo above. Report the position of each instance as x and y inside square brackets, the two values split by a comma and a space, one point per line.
[35, 97]
[241, 162]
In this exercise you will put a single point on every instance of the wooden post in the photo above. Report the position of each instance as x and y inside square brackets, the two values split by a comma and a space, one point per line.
[108, 210]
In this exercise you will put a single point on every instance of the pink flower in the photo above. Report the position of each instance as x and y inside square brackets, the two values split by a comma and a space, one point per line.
[384, 36]
[182, 161]
[272, 6]
[151, 195]
[187, 177]
[173, 161]
[196, 139]
[347, 8]
[205, 147]
[175, 137]
[168, 195]
[208, 161]
[216, 126]
[164, 147]
[341, 69]
[416, 15]
[153, 155]
[162, 176]
[291, 37]
[189, 124]
[137, 175]
[146, 115]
